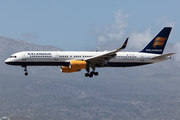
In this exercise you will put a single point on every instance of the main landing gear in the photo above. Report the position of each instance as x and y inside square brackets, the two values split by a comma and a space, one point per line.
[25, 69]
[91, 74]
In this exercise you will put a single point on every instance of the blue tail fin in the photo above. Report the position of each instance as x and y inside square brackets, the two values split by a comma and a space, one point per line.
[158, 43]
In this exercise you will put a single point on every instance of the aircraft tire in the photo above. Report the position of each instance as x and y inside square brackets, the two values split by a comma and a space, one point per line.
[91, 74]
[87, 74]
[26, 74]
[96, 73]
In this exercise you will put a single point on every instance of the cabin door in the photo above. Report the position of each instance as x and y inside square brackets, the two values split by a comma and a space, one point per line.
[24, 57]
[56, 58]
[142, 58]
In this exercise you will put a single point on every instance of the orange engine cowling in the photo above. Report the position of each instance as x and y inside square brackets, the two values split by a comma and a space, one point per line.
[65, 69]
[74, 66]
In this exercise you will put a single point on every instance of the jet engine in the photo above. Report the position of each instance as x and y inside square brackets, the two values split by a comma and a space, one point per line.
[74, 66]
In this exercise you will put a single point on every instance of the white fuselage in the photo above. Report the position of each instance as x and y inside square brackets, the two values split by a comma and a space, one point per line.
[74, 61]
[62, 58]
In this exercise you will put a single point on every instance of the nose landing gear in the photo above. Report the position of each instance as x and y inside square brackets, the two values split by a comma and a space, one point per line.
[25, 73]
[25, 69]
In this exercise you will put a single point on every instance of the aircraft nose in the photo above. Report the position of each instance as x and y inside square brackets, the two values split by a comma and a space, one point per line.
[7, 61]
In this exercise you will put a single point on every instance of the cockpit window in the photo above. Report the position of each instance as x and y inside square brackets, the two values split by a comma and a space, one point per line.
[12, 56]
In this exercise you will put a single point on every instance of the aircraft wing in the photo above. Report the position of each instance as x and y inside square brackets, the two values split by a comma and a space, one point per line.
[163, 56]
[103, 58]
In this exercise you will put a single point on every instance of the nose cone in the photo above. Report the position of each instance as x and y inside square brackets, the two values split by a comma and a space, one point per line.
[7, 61]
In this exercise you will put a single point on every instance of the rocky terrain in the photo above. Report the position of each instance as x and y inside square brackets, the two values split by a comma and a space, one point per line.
[139, 93]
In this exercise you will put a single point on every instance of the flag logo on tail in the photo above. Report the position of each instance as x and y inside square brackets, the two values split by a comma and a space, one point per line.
[159, 41]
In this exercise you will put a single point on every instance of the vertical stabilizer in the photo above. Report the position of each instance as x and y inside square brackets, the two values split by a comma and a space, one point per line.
[158, 43]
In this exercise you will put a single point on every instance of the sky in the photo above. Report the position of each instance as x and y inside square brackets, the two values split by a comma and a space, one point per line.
[89, 24]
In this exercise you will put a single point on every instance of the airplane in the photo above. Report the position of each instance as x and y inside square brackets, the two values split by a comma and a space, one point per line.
[74, 61]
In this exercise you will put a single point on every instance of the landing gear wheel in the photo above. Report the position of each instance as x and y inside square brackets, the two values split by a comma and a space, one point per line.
[25, 69]
[87, 74]
[91, 75]
[96, 73]
[26, 74]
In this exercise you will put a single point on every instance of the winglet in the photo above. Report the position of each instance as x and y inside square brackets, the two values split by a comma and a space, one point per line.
[125, 43]
[123, 46]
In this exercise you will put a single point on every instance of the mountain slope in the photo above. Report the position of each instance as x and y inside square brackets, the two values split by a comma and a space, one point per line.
[145, 92]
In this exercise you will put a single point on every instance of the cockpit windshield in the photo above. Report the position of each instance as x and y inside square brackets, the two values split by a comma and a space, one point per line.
[12, 56]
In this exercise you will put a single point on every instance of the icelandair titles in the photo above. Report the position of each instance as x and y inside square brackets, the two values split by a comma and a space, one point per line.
[39, 53]
[157, 50]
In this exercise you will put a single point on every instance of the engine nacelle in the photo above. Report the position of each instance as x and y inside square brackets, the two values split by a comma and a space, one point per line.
[78, 64]
[74, 66]
[65, 69]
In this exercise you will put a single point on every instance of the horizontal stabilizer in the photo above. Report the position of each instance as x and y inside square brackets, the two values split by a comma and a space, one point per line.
[163, 56]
